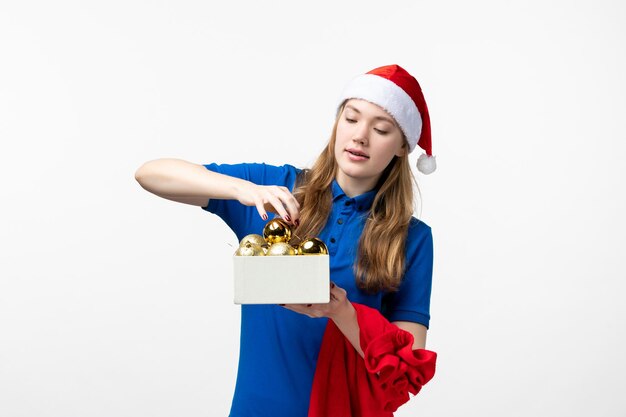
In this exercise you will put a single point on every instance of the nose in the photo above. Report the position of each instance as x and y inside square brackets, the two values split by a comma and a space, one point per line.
[360, 134]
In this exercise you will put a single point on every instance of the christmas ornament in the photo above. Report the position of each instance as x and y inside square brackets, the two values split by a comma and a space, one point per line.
[280, 249]
[312, 246]
[249, 249]
[277, 230]
[254, 239]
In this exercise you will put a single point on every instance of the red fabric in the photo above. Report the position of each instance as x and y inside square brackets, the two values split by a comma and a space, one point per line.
[347, 385]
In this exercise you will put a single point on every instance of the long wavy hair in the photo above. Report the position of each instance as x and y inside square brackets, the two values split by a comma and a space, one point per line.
[380, 262]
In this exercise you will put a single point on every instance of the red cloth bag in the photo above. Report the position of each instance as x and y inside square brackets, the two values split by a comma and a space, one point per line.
[347, 385]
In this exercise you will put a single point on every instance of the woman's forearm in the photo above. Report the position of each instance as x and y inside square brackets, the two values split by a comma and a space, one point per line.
[186, 182]
[347, 323]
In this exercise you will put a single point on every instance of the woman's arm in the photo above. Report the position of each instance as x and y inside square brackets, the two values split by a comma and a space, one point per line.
[186, 182]
[342, 312]
[190, 183]
[417, 330]
[347, 323]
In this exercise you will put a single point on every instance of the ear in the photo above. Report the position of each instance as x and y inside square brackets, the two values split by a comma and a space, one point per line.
[402, 151]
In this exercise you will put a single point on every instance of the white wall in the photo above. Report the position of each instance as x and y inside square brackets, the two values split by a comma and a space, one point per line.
[114, 302]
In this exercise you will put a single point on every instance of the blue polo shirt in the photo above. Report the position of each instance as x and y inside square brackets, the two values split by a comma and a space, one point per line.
[279, 347]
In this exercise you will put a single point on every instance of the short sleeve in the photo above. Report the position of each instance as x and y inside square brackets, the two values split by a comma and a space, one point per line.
[412, 301]
[242, 219]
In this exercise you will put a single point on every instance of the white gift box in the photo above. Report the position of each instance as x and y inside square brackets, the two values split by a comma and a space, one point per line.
[296, 279]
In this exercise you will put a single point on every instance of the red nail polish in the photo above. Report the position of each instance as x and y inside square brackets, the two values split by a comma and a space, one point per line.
[332, 285]
[287, 218]
[264, 217]
[297, 222]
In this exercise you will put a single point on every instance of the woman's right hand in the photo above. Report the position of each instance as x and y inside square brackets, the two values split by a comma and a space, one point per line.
[272, 198]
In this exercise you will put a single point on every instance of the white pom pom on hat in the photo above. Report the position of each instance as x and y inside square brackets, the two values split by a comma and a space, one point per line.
[398, 92]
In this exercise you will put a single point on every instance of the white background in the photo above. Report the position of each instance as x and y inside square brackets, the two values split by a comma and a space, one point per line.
[115, 302]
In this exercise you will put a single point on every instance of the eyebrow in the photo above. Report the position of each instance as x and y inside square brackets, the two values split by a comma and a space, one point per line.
[387, 119]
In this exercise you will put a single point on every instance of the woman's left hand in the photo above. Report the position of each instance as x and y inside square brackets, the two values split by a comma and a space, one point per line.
[338, 304]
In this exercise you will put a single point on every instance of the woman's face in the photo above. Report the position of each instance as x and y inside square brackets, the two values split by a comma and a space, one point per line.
[366, 141]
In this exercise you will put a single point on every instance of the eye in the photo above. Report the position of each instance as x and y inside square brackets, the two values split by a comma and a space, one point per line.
[350, 120]
[382, 132]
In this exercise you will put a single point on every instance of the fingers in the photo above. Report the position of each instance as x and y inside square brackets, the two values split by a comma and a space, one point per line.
[337, 297]
[273, 198]
[306, 309]
[337, 292]
[280, 201]
[287, 206]
[261, 209]
[275, 205]
[291, 203]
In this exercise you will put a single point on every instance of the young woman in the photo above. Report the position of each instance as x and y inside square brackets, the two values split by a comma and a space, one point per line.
[363, 353]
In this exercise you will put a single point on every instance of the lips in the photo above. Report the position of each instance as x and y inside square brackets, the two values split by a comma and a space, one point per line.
[357, 152]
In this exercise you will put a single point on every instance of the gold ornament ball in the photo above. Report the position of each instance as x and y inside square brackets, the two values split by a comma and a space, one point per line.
[277, 230]
[280, 249]
[254, 239]
[249, 249]
[312, 246]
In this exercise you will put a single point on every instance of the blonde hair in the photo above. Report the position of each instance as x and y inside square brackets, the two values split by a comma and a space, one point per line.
[380, 262]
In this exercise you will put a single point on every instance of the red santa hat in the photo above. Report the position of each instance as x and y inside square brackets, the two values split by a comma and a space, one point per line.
[398, 92]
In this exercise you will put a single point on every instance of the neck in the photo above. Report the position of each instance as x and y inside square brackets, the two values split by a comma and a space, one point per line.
[353, 187]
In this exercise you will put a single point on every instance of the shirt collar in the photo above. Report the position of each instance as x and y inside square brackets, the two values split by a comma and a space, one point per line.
[362, 202]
